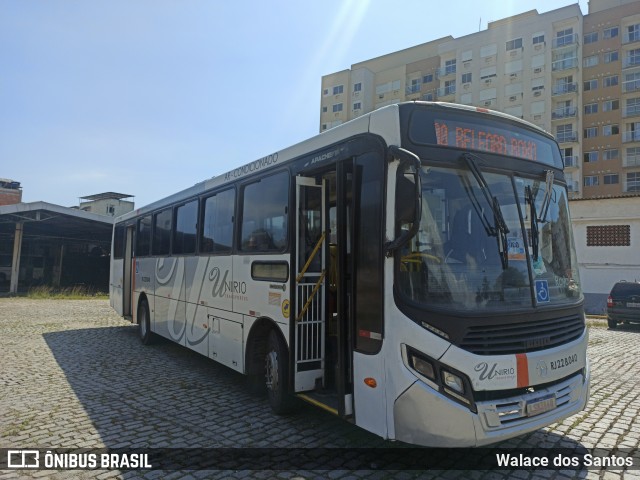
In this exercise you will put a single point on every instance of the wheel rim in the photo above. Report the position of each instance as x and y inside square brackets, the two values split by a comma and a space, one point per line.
[272, 371]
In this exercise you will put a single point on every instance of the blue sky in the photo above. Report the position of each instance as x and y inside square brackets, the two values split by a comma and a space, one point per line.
[148, 97]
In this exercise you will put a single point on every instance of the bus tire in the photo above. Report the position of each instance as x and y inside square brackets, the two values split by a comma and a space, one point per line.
[144, 323]
[276, 375]
[612, 323]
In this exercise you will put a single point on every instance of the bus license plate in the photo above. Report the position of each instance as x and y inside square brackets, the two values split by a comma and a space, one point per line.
[541, 405]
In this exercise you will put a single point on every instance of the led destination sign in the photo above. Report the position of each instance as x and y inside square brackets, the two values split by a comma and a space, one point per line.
[497, 135]
[489, 139]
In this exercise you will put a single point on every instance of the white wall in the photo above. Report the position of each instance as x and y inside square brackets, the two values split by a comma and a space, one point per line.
[601, 267]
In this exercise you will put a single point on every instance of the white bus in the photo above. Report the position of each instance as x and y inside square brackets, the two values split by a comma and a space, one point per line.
[412, 271]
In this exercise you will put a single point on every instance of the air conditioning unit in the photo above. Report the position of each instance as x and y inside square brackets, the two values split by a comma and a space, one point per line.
[537, 117]
[514, 75]
[512, 98]
[537, 70]
[487, 81]
[537, 93]
[538, 46]
[513, 53]
[487, 103]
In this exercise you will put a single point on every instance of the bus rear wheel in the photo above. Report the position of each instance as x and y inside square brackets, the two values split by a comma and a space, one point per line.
[276, 375]
[144, 323]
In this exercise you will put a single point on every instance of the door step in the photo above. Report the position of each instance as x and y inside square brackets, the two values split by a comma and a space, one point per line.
[324, 401]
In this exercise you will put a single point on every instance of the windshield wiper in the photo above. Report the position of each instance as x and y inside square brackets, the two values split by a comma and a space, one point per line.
[546, 201]
[535, 241]
[500, 230]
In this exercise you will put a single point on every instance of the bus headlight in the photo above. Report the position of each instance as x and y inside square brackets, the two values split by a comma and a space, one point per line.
[448, 381]
[453, 381]
[421, 365]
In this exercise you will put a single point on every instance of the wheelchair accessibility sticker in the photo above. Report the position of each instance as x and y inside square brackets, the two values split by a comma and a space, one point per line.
[542, 291]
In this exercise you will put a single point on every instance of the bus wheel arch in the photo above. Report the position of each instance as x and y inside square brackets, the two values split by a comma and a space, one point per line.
[255, 352]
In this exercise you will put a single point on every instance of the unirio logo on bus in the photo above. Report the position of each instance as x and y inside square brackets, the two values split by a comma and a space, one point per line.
[221, 286]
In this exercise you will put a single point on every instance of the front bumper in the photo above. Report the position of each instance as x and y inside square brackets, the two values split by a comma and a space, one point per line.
[424, 416]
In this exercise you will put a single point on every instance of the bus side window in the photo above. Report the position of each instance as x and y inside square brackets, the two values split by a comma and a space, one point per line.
[264, 214]
[143, 237]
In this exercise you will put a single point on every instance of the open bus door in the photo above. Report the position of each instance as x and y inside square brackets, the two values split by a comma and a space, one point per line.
[310, 271]
[127, 274]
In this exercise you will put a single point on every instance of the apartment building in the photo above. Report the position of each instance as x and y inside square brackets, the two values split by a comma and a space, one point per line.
[576, 76]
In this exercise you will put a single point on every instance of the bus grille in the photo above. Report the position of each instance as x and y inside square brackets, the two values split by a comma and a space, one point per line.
[522, 337]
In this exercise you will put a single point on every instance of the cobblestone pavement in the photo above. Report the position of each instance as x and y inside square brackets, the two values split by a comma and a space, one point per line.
[73, 375]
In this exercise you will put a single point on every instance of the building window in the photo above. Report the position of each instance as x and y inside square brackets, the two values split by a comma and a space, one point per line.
[610, 32]
[591, 37]
[590, 157]
[611, 81]
[325, 91]
[611, 179]
[633, 107]
[357, 87]
[427, 78]
[590, 61]
[514, 44]
[591, 181]
[357, 106]
[611, 154]
[337, 107]
[608, 236]
[610, 105]
[324, 109]
[590, 132]
[611, 57]
[538, 39]
[466, 78]
[450, 67]
[338, 89]
[590, 85]
[608, 130]
[633, 182]
[143, 237]
[633, 33]
[590, 108]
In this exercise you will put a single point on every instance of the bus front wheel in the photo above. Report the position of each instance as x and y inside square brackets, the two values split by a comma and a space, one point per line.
[144, 323]
[276, 374]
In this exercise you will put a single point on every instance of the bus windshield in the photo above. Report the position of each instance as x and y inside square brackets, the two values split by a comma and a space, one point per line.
[489, 241]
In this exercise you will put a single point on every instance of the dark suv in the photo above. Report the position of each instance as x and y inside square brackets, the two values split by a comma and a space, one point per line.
[623, 304]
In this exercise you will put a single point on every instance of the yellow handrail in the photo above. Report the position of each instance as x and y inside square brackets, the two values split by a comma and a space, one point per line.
[313, 254]
[313, 294]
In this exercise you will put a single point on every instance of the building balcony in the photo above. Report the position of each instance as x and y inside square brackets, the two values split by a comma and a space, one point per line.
[571, 161]
[565, 40]
[446, 91]
[631, 161]
[631, 37]
[411, 89]
[633, 136]
[567, 137]
[573, 186]
[445, 71]
[564, 88]
[631, 111]
[630, 62]
[564, 64]
[564, 112]
[632, 186]
[631, 86]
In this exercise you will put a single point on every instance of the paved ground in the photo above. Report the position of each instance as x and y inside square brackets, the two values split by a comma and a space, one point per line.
[73, 375]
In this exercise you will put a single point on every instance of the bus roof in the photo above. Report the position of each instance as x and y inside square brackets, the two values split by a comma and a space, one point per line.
[376, 122]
